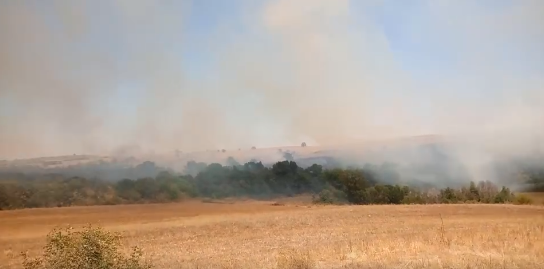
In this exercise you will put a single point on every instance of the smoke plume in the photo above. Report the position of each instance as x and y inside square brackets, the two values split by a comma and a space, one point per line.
[101, 77]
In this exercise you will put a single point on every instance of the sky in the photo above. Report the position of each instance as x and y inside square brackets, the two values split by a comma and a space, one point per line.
[100, 77]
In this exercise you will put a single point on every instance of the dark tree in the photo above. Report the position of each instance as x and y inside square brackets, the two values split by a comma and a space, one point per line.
[288, 156]
[232, 162]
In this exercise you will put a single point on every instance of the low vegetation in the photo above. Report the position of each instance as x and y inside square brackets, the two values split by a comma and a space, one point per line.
[90, 248]
[523, 199]
[253, 179]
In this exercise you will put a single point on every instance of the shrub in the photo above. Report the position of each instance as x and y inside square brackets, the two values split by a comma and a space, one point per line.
[91, 248]
[324, 197]
[522, 199]
[330, 196]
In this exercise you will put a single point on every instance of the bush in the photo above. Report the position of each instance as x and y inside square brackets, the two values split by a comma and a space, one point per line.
[522, 199]
[324, 197]
[330, 196]
[91, 248]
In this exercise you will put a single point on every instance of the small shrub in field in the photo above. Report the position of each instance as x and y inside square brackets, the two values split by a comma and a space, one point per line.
[329, 196]
[324, 197]
[523, 199]
[91, 248]
[295, 260]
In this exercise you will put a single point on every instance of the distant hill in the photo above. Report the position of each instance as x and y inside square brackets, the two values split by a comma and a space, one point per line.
[266, 155]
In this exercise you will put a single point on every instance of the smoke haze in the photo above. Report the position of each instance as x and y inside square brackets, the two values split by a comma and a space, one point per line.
[132, 77]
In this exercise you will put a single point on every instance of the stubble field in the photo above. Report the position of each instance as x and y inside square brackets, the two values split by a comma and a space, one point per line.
[292, 234]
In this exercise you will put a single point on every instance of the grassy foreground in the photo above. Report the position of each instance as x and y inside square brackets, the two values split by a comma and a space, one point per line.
[292, 234]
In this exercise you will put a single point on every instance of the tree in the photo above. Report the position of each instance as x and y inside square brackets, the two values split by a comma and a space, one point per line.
[503, 196]
[253, 147]
[193, 168]
[448, 196]
[352, 182]
[288, 156]
[4, 198]
[232, 162]
[146, 169]
[303, 144]
[474, 193]
[147, 188]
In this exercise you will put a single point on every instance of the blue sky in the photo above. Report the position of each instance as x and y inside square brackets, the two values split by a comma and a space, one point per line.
[96, 75]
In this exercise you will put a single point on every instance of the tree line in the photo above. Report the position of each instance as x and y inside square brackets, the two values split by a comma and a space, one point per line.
[252, 180]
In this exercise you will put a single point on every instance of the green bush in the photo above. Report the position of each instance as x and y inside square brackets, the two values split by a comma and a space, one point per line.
[91, 248]
[522, 199]
[324, 197]
[330, 196]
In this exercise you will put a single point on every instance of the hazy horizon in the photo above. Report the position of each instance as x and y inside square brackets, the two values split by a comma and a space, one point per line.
[93, 77]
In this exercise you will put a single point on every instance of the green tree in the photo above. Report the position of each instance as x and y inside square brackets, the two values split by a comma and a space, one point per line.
[504, 196]
[351, 182]
[474, 193]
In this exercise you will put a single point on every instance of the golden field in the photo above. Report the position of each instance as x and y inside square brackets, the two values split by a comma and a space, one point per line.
[293, 234]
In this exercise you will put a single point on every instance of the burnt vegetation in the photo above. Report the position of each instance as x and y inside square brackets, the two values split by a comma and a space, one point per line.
[369, 185]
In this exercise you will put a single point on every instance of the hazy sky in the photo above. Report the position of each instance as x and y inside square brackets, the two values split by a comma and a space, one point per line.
[101, 76]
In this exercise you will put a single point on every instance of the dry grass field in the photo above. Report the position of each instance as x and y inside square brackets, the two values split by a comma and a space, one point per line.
[294, 235]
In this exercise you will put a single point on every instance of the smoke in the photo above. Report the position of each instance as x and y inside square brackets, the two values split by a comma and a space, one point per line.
[104, 77]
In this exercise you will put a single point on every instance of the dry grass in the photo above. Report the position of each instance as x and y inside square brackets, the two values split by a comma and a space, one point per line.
[261, 235]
